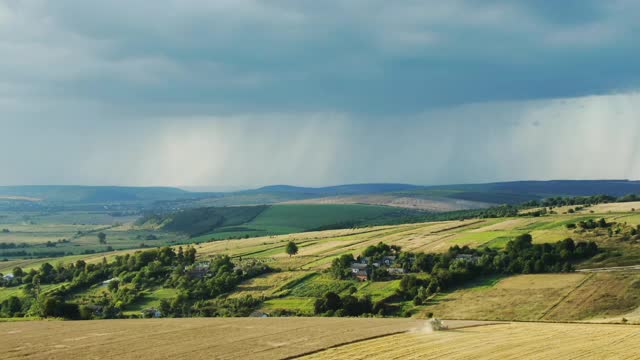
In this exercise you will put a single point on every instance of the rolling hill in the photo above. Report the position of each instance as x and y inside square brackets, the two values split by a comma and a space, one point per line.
[432, 198]
[440, 198]
[95, 194]
[263, 220]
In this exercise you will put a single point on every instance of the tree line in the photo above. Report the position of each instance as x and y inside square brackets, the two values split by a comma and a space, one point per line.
[431, 273]
[128, 276]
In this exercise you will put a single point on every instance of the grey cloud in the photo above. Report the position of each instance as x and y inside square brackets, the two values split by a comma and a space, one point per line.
[589, 137]
[354, 56]
[255, 92]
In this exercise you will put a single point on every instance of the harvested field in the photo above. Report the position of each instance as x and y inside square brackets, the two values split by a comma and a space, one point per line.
[500, 341]
[540, 281]
[522, 297]
[602, 295]
[615, 207]
[199, 338]
[548, 297]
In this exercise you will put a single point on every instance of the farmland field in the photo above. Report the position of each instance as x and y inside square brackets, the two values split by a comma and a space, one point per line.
[314, 338]
[553, 297]
[499, 341]
[297, 218]
[55, 234]
[249, 338]
[297, 281]
[206, 224]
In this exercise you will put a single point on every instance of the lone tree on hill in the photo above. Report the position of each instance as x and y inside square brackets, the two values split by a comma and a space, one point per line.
[292, 248]
[102, 238]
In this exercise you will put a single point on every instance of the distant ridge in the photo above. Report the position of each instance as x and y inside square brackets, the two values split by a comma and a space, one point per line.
[391, 194]
[94, 194]
[555, 187]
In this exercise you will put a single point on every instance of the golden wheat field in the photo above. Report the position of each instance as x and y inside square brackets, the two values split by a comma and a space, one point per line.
[313, 338]
[499, 341]
[196, 338]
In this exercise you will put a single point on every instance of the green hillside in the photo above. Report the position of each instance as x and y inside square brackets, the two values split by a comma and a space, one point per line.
[203, 220]
[296, 218]
[250, 221]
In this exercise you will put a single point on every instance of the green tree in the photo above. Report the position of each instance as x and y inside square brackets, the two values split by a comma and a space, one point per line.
[113, 286]
[102, 238]
[292, 248]
[18, 272]
[340, 266]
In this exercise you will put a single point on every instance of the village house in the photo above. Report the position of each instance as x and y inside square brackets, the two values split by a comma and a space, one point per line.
[385, 261]
[8, 277]
[259, 314]
[396, 271]
[467, 257]
[198, 270]
[362, 275]
[388, 260]
[151, 313]
[357, 267]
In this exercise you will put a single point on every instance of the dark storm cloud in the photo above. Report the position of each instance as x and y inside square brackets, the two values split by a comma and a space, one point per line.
[254, 92]
[361, 56]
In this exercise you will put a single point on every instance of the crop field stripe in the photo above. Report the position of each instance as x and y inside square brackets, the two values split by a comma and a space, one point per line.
[549, 310]
[189, 338]
[349, 244]
[296, 281]
[344, 344]
[505, 341]
[457, 227]
[279, 246]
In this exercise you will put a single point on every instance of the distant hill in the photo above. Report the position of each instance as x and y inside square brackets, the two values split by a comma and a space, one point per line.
[520, 191]
[450, 197]
[431, 198]
[94, 194]
[559, 187]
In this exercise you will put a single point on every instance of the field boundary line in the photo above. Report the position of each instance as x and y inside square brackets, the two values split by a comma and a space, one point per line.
[311, 352]
[457, 227]
[562, 299]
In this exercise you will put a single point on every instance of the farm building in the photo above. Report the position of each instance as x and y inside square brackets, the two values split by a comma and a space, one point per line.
[467, 257]
[151, 313]
[357, 267]
[198, 270]
[385, 261]
[388, 260]
[259, 314]
[362, 275]
[396, 271]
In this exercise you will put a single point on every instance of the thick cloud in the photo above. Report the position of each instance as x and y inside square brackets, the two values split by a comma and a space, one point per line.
[590, 137]
[306, 92]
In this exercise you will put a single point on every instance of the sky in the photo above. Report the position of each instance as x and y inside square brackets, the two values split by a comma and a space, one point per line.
[246, 93]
